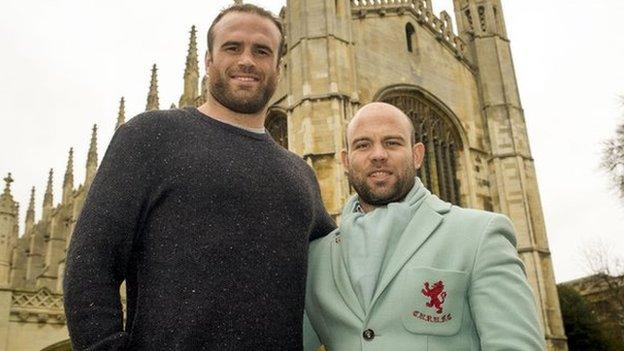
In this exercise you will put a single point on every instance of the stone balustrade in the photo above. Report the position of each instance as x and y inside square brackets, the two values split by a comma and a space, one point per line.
[41, 306]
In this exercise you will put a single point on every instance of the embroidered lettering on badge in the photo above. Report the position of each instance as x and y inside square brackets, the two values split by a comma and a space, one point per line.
[437, 296]
[432, 319]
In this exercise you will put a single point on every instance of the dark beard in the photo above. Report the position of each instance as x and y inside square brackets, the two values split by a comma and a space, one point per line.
[251, 105]
[398, 193]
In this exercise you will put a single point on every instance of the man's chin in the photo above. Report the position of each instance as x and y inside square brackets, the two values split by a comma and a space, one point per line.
[381, 187]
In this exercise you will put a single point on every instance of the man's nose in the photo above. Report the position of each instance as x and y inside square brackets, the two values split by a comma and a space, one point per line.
[246, 59]
[379, 153]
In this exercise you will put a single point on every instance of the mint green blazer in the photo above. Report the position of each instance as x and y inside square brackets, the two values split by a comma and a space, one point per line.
[454, 282]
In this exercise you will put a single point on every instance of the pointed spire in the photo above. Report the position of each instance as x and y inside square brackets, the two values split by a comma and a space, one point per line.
[191, 73]
[31, 204]
[121, 116]
[68, 181]
[48, 197]
[7, 187]
[92, 157]
[152, 96]
[30, 213]
[172, 105]
[69, 170]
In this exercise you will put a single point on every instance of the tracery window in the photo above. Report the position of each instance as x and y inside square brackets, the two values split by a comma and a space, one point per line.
[434, 129]
[277, 125]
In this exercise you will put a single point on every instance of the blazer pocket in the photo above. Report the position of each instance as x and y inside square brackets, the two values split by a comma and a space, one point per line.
[433, 301]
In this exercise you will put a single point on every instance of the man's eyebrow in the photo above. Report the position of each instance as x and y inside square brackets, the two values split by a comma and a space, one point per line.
[360, 139]
[263, 46]
[231, 42]
[394, 137]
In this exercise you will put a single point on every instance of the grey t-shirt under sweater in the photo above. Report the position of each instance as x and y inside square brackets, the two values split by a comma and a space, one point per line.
[208, 224]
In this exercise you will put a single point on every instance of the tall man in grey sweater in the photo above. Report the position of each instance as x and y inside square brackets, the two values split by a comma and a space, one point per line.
[203, 215]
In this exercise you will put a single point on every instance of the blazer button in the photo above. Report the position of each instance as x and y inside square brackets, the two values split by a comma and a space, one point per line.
[368, 334]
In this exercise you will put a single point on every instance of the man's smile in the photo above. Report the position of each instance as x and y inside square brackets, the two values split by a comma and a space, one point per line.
[380, 174]
[245, 77]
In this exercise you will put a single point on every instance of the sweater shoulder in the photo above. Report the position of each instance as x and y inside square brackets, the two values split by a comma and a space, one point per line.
[160, 120]
[300, 163]
[154, 129]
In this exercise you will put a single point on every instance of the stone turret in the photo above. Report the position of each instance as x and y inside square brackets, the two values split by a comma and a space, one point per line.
[191, 73]
[20, 252]
[68, 180]
[152, 96]
[121, 115]
[36, 241]
[323, 90]
[512, 177]
[9, 210]
[480, 18]
[19, 264]
[92, 158]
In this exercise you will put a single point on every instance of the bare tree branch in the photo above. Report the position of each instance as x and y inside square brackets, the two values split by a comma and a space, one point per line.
[613, 159]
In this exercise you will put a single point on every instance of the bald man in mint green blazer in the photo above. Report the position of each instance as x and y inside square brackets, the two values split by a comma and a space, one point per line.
[407, 271]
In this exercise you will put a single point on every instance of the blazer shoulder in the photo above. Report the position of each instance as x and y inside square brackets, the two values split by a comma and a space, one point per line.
[484, 223]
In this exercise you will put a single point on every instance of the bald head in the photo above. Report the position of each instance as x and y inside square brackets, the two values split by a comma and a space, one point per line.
[383, 110]
[382, 156]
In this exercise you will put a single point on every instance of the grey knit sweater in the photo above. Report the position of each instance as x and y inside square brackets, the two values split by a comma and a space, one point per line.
[208, 224]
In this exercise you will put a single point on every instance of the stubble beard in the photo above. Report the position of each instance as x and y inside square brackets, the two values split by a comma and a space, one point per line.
[251, 104]
[398, 192]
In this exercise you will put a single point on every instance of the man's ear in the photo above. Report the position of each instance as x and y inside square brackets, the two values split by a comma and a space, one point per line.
[418, 154]
[344, 157]
[207, 59]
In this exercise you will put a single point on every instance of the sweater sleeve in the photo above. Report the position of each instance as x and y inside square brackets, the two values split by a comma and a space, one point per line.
[102, 241]
[500, 297]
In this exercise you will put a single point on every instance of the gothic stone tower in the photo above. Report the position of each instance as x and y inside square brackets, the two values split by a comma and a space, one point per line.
[459, 90]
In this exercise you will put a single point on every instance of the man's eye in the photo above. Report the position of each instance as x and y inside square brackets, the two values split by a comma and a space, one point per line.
[361, 145]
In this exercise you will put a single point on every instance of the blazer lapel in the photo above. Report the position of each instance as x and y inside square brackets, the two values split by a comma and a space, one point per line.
[342, 280]
[425, 221]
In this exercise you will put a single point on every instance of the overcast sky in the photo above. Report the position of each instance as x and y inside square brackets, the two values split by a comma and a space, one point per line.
[64, 64]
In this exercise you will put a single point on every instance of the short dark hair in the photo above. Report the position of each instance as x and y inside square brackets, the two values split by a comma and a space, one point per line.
[253, 9]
